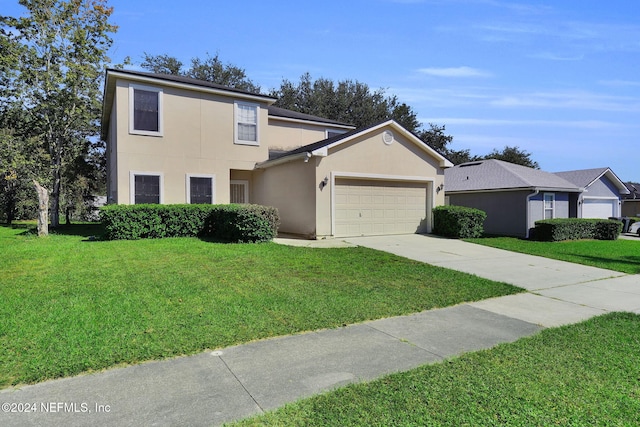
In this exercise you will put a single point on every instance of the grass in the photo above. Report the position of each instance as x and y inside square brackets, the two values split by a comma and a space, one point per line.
[580, 375]
[618, 255]
[70, 305]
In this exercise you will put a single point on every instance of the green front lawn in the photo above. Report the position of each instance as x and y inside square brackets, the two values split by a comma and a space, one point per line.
[618, 255]
[70, 305]
[580, 375]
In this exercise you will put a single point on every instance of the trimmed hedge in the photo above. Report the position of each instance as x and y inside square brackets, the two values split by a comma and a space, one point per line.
[554, 230]
[458, 221]
[231, 223]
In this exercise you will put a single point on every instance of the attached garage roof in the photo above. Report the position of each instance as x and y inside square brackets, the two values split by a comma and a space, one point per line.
[321, 148]
[497, 175]
[585, 177]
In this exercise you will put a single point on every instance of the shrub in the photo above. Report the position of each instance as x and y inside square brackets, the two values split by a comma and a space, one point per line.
[554, 230]
[458, 221]
[233, 223]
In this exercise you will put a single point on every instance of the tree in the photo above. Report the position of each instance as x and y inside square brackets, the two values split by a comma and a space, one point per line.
[348, 101]
[21, 161]
[210, 69]
[162, 64]
[513, 155]
[55, 57]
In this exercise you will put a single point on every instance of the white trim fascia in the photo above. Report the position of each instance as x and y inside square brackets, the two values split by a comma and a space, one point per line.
[186, 86]
[132, 184]
[160, 92]
[311, 122]
[500, 190]
[188, 177]
[320, 152]
[378, 177]
[600, 198]
[285, 159]
[382, 177]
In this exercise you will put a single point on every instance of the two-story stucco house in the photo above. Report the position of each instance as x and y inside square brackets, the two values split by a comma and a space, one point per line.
[172, 139]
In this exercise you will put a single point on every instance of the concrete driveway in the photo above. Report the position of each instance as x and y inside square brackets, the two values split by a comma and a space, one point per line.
[559, 292]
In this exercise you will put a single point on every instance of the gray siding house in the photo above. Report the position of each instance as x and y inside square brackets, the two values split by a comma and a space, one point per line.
[602, 195]
[513, 196]
[631, 201]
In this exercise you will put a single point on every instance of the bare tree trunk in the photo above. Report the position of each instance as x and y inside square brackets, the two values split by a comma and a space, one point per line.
[43, 209]
[55, 195]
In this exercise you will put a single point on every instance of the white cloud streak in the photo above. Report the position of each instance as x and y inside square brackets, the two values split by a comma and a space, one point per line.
[455, 72]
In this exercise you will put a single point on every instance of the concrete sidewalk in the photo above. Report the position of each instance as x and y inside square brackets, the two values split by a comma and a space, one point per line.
[236, 382]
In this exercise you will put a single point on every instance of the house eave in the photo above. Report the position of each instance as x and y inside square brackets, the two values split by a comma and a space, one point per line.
[311, 122]
[285, 159]
[112, 77]
[512, 189]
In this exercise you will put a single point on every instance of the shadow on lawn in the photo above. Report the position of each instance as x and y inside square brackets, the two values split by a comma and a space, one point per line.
[81, 230]
[632, 261]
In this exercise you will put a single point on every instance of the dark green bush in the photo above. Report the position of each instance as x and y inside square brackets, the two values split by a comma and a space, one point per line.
[554, 230]
[232, 223]
[458, 221]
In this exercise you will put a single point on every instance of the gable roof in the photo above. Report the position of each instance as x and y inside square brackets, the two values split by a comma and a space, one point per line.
[194, 84]
[321, 148]
[496, 175]
[634, 190]
[585, 177]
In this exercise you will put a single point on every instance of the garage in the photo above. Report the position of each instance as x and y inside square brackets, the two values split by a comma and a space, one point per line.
[370, 207]
[599, 208]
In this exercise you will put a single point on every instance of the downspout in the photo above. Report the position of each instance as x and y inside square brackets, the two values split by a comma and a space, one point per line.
[535, 193]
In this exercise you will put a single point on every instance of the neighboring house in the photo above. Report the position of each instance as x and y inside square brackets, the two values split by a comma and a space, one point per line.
[602, 195]
[172, 139]
[513, 196]
[631, 201]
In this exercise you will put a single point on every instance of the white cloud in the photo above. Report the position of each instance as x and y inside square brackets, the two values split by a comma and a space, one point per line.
[556, 57]
[620, 83]
[455, 72]
[578, 124]
[578, 100]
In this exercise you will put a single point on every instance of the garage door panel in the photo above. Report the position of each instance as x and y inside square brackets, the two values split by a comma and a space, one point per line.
[598, 208]
[374, 207]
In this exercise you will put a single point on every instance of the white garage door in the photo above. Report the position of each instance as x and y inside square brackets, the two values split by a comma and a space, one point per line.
[364, 208]
[598, 208]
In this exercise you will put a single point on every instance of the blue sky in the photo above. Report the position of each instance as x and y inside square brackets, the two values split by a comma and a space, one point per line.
[560, 79]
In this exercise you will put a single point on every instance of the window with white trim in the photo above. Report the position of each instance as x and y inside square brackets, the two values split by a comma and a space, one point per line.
[239, 191]
[200, 189]
[549, 205]
[330, 133]
[145, 110]
[246, 123]
[146, 188]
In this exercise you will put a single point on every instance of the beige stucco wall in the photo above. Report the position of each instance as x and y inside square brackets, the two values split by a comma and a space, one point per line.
[286, 135]
[290, 188]
[198, 138]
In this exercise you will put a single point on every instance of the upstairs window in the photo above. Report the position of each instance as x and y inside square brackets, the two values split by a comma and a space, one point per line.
[246, 123]
[145, 105]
